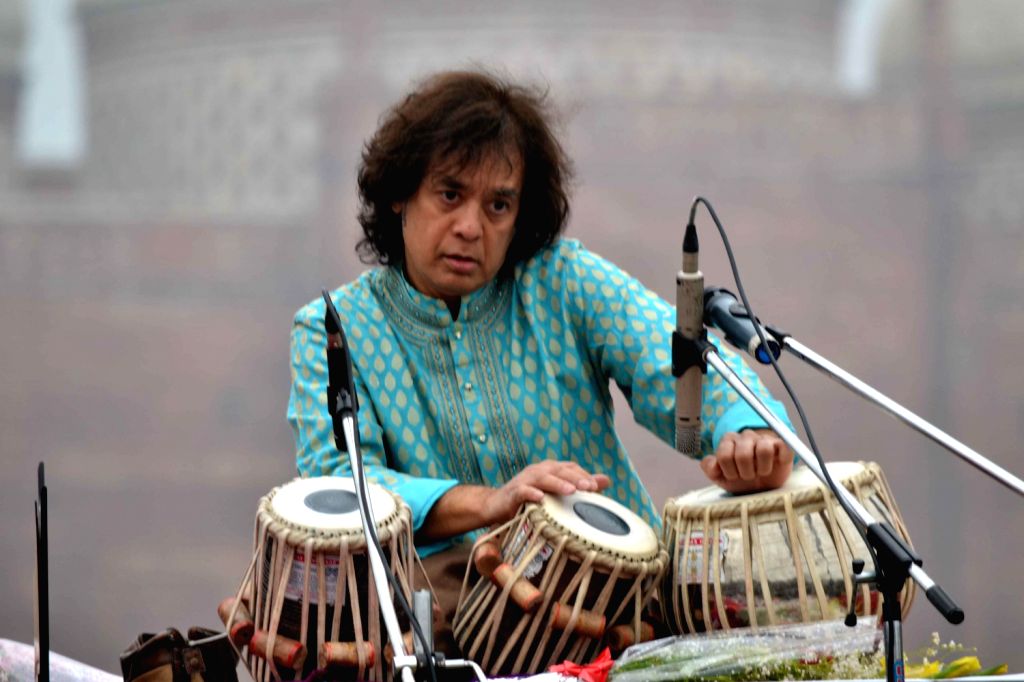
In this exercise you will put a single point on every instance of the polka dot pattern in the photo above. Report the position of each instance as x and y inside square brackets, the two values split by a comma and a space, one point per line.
[521, 376]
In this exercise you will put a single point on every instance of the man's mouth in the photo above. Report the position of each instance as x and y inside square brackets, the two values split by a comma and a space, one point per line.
[459, 262]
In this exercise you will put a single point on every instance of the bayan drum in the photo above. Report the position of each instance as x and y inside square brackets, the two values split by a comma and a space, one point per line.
[309, 588]
[559, 581]
[780, 556]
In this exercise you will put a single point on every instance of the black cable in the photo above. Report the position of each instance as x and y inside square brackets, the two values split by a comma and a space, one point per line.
[789, 389]
[400, 598]
[393, 581]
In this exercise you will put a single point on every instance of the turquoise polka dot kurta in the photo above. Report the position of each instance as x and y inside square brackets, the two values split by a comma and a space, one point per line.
[522, 375]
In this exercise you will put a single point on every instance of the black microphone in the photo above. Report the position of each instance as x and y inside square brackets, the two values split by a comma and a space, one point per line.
[687, 360]
[724, 312]
[341, 391]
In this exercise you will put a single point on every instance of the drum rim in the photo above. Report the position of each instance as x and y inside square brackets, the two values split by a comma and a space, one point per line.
[387, 527]
[690, 506]
[553, 531]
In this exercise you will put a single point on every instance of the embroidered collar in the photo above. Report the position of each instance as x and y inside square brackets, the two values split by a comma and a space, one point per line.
[479, 307]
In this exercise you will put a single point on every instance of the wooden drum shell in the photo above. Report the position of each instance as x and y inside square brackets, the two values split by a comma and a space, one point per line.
[284, 592]
[583, 590]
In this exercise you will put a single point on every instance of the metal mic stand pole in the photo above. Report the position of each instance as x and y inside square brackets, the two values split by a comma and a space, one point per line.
[403, 662]
[903, 414]
[896, 561]
[406, 663]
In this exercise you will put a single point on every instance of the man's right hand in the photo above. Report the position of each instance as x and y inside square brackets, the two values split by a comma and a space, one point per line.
[530, 484]
[469, 507]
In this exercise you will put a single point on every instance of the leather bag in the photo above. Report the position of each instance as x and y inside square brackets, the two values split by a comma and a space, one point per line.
[205, 656]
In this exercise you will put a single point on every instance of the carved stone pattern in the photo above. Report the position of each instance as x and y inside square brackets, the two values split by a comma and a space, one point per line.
[231, 133]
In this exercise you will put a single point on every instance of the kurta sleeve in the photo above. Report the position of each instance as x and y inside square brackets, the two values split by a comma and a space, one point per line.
[316, 454]
[627, 332]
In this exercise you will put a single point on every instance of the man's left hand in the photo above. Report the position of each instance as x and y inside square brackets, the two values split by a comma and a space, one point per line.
[748, 461]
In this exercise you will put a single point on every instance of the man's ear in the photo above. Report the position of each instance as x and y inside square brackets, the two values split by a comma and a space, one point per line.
[398, 206]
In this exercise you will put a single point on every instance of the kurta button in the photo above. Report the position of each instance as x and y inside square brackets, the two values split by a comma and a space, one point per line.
[482, 438]
[468, 386]
[458, 333]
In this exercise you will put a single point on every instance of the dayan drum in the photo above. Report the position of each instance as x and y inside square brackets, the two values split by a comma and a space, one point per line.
[559, 581]
[781, 556]
[309, 588]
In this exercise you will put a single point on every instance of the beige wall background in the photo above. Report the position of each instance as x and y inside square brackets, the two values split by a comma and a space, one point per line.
[866, 156]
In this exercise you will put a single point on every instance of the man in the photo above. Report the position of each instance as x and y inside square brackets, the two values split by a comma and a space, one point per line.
[484, 347]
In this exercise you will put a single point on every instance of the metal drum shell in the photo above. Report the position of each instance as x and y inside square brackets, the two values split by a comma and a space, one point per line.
[753, 575]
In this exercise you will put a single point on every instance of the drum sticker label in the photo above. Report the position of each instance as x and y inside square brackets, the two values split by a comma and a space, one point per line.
[296, 580]
[520, 544]
[693, 570]
[514, 550]
[538, 561]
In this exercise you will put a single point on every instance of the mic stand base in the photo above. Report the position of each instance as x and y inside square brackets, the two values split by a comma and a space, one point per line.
[443, 663]
[890, 582]
[894, 669]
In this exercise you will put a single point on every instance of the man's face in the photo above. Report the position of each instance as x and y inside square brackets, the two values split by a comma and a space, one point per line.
[458, 226]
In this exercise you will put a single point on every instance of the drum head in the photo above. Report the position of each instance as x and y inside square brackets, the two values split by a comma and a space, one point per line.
[602, 522]
[328, 503]
[801, 479]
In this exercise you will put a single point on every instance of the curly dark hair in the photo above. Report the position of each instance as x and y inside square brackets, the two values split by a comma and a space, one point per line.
[460, 118]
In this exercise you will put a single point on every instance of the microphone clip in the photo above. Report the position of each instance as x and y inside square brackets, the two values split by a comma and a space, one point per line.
[687, 353]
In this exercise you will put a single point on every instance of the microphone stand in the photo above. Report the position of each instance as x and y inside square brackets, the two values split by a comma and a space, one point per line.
[403, 662]
[342, 405]
[851, 382]
[341, 401]
[896, 561]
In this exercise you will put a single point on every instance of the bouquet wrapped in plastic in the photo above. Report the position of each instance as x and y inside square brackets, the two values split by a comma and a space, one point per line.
[791, 652]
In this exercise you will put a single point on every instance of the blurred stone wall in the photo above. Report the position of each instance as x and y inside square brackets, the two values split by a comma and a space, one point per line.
[147, 293]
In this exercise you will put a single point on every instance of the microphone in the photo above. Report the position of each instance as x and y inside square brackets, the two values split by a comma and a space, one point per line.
[341, 392]
[724, 312]
[688, 339]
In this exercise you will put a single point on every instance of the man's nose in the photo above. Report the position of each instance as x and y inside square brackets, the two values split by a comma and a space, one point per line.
[469, 223]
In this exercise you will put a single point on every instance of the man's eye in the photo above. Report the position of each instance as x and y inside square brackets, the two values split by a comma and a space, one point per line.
[449, 195]
[500, 206]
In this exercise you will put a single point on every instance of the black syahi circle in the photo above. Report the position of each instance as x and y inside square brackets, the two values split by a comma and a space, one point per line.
[332, 501]
[600, 518]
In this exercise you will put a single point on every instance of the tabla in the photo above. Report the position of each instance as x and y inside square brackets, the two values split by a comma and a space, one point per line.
[781, 556]
[309, 550]
[557, 582]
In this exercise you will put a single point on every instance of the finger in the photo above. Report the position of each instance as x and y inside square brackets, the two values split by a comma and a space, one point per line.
[570, 471]
[528, 493]
[726, 458]
[578, 476]
[540, 470]
[783, 454]
[550, 483]
[766, 453]
[709, 465]
[746, 452]
[595, 482]
[517, 496]
[510, 498]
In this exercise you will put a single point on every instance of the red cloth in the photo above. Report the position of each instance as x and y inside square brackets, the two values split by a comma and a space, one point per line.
[595, 671]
